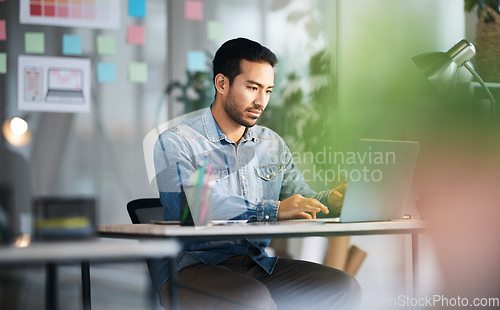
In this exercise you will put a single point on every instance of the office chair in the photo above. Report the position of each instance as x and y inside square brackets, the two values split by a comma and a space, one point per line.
[142, 211]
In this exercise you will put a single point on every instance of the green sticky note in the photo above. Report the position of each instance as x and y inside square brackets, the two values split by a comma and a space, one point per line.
[3, 63]
[215, 30]
[34, 42]
[106, 45]
[138, 72]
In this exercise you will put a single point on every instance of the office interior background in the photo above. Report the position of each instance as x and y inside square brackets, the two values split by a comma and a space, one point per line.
[345, 73]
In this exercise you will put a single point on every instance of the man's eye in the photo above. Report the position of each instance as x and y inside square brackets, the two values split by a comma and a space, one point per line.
[252, 88]
[269, 91]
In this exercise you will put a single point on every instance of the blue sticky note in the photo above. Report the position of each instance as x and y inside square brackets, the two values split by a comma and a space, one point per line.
[137, 8]
[196, 61]
[72, 45]
[106, 72]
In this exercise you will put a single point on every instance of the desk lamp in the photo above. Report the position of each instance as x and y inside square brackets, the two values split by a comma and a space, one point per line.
[442, 68]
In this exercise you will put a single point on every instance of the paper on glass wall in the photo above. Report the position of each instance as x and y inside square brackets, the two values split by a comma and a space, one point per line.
[53, 84]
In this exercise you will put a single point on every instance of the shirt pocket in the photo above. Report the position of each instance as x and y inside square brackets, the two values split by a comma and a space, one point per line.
[269, 179]
[220, 178]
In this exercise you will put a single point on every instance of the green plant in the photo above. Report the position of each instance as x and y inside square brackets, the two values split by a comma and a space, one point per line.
[479, 5]
[306, 115]
[197, 92]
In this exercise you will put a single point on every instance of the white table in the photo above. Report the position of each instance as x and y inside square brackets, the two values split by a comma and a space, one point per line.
[82, 252]
[278, 229]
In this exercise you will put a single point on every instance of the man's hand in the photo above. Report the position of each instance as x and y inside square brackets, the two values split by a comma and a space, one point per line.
[298, 206]
[336, 198]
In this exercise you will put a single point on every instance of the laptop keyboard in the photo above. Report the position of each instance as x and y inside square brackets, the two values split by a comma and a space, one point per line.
[65, 93]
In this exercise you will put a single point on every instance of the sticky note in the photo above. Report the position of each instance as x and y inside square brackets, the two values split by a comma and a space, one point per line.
[106, 45]
[135, 35]
[3, 63]
[137, 8]
[34, 42]
[138, 72]
[72, 44]
[215, 30]
[106, 72]
[3, 32]
[196, 61]
[193, 10]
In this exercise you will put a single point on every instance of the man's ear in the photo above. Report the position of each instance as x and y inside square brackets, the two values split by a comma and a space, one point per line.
[221, 83]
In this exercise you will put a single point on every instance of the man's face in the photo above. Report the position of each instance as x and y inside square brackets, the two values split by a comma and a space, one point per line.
[249, 93]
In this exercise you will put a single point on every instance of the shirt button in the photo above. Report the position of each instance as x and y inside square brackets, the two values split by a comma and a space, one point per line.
[266, 217]
[268, 176]
[243, 177]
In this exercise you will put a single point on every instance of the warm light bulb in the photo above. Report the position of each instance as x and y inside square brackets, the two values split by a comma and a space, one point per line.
[18, 126]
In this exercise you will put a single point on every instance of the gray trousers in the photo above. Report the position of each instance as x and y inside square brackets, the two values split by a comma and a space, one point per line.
[239, 283]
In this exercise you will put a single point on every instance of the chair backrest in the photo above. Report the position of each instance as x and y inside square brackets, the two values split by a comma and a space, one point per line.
[143, 210]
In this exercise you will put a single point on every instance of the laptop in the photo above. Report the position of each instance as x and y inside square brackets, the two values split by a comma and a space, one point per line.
[380, 180]
[65, 85]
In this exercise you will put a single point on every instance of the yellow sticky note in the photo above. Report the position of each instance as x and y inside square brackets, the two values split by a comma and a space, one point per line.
[106, 45]
[138, 72]
[34, 42]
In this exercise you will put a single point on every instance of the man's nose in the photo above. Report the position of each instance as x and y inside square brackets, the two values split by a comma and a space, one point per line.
[261, 100]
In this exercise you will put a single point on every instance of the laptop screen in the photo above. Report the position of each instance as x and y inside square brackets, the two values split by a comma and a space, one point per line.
[65, 79]
[380, 180]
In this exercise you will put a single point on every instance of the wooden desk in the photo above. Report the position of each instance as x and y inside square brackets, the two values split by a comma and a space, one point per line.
[84, 252]
[278, 229]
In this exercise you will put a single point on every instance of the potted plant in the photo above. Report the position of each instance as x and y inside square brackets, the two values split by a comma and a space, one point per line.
[481, 5]
[487, 41]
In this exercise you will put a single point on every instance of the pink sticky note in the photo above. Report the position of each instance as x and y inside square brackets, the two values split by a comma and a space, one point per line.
[3, 33]
[193, 10]
[135, 35]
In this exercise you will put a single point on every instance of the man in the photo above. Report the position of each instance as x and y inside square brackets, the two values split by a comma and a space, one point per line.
[254, 179]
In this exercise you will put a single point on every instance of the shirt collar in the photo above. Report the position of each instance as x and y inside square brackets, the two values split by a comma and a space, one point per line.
[214, 133]
[212, 130]
[249, 135]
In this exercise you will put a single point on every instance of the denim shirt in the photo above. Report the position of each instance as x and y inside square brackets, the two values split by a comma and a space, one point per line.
[250, 179]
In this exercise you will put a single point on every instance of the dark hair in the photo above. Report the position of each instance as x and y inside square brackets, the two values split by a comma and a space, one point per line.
[228, 57]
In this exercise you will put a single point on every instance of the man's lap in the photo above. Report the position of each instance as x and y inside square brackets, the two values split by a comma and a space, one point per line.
[239, 281]
[297, 284]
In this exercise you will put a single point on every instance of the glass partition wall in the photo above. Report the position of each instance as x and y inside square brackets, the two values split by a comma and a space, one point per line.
[100, 153]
